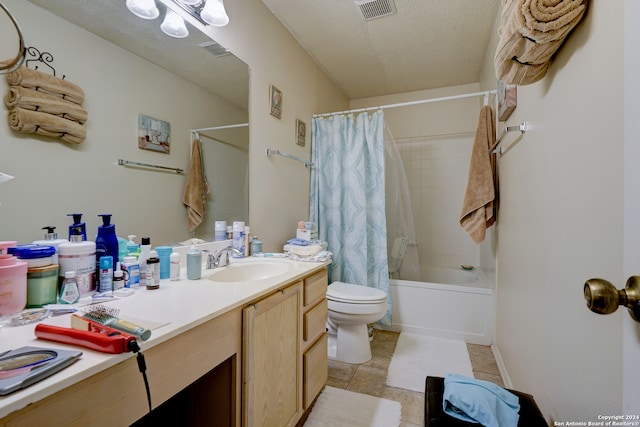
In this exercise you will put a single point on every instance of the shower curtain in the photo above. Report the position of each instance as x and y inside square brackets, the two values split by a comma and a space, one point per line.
[347, 198]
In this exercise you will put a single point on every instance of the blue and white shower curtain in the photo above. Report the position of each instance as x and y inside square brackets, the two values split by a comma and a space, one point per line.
[347, 198]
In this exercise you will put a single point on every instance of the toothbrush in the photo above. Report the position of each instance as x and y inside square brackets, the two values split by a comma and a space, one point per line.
[108, 317]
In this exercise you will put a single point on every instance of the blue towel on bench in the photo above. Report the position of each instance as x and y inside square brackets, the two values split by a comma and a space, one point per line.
[479, 401]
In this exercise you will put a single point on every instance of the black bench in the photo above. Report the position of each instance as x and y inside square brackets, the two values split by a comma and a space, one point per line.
[434, 416]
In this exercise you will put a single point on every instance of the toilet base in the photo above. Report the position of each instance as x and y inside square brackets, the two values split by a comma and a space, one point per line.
[350, 344]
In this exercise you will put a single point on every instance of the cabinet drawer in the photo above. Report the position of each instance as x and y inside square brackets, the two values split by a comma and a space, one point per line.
[315, 287]
[315, 321]
[316, 370]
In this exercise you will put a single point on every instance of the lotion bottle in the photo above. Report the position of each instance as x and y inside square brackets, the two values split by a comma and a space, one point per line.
[145, 249]
[107, 242]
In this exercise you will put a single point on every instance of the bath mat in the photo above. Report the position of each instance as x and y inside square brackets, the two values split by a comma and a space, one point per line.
[418, 356]
[341, 408]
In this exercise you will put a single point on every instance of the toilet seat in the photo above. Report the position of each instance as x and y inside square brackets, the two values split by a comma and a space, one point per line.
[354, 294]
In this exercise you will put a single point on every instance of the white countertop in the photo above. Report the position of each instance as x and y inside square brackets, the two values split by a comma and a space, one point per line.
[178, 306]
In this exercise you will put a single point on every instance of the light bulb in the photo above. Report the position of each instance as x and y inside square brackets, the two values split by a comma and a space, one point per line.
[145, 9]
[192, 2]
[214, 14]
[173, 25]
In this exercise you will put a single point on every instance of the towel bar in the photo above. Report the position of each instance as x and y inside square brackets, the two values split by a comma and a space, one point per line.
[522, 128]
[122, 162]
[282, 153]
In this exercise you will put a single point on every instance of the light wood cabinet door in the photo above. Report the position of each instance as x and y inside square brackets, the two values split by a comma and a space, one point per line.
[272, 366]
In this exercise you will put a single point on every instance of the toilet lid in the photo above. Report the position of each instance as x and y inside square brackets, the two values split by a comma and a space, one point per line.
[340, 291]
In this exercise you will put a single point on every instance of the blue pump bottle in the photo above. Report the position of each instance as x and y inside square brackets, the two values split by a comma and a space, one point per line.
[106, 240]
[77, 223]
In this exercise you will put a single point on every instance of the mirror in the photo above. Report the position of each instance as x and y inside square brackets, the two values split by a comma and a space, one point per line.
[196, 59]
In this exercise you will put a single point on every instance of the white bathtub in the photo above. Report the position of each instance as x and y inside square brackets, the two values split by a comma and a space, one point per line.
[453, 303]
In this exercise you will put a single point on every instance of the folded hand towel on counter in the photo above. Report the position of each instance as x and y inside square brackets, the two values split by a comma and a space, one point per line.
[479, 401]
[480, 201]
[196, 190]
[305, 251]
[44, 124]
[30, 99]
[34, 79]
[530, 33]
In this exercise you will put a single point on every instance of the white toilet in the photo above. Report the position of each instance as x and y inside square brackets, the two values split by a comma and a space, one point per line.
[351, 309]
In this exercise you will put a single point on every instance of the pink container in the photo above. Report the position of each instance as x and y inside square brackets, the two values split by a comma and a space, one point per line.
[13, 284]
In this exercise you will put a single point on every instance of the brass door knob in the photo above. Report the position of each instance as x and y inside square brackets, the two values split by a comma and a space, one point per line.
[602, 297]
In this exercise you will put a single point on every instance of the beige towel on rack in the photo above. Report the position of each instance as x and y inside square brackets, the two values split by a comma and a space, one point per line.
[530, 33]
[47, 83]
[480, 201]
[196, 190]
[44, 124]
[34, 100]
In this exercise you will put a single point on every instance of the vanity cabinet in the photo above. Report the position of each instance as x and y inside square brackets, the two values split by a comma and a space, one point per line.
[285, 352]
[271, 365]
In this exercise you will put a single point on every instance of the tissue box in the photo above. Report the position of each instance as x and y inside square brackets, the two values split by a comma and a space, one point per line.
[306, 234]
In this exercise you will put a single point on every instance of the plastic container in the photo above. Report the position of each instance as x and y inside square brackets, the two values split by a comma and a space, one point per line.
[5, 245]
[164, 254]
[220, 232]
[174, 269]
[69, 292]
[194, 263]
[79, 256]
[118, 279]
[107, 243]
[256, 245]
[42, 285]
[132, 247]
[51, 239]
[145, 249]
[106, 273]
[131, 270]
[34, 255]
[77, 225]
[238, 238]
[153, 271]
[13, 284]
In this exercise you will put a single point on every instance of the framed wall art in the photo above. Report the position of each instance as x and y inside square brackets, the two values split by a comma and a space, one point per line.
[301, 132]
[153, 134]
[275, 99]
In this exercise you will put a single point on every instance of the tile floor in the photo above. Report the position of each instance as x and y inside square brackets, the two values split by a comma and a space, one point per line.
[370, 378]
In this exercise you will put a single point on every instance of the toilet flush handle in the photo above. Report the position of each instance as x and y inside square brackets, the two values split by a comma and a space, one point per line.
[602, 297]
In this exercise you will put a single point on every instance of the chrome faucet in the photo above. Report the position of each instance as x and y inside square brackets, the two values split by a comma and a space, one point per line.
[218, 260]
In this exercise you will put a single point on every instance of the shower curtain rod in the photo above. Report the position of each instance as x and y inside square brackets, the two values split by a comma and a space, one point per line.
[485, 93]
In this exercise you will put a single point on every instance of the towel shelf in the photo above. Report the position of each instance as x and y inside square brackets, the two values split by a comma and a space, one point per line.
[290, 156]
[122, 162]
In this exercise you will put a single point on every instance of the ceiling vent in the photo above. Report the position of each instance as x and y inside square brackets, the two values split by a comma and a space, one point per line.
[372, 9]
[215, 48]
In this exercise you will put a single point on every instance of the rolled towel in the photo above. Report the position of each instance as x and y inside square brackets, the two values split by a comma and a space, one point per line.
[530, 33]
[47, 83]
[34, 100]
[44, 124]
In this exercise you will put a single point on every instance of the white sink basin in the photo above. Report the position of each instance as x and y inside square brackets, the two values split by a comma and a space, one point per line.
[251, 270]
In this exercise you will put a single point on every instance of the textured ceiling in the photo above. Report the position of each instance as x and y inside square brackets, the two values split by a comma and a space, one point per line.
[426, 44]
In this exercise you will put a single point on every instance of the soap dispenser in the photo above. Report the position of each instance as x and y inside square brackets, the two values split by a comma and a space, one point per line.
[77, 224]
[106, 241]
[51, 239]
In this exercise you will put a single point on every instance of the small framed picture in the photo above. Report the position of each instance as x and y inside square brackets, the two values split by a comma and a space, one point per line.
[153, 134]
[301, 132]
[275, 97]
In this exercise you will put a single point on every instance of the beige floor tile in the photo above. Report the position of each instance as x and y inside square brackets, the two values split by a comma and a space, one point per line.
[494, 378]
[368, 380]
[341, 371]
[482, 359]
[412, 403]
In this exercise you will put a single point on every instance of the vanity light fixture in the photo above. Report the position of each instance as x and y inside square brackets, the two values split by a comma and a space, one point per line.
[145, 9]
[173, 25]
[214, 14]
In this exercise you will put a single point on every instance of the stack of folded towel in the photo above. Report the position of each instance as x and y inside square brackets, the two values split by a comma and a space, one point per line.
[46, 105]
[530, 32]
[307, 250]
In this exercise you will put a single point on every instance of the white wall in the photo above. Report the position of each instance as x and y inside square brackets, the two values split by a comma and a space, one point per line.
[561, 223]
[93, 184]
